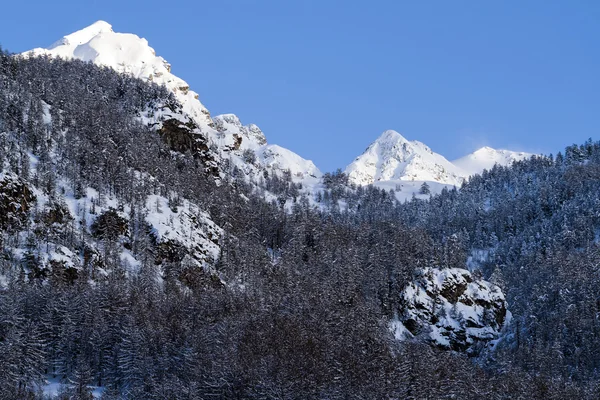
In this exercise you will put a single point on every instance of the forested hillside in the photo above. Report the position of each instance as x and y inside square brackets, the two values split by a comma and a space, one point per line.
[131, 267]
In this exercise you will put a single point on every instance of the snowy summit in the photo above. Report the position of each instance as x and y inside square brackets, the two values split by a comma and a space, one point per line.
[393, 158]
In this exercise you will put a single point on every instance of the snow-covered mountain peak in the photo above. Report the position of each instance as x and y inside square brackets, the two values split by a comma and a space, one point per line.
[126, 53]
[393, 157]
[392, 139]
[389, 136]
[393, 161]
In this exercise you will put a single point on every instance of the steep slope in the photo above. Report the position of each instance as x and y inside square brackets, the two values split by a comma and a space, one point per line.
[393, 158]
[223, 136]
[486, 158]
[256, 155]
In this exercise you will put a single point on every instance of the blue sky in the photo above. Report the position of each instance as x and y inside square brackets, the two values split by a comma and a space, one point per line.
[325, 78]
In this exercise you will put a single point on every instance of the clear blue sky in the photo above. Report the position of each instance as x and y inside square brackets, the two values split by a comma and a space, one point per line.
[324, 78]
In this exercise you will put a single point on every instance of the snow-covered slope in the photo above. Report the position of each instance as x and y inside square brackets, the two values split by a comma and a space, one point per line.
[225, 134]
[393, 158]
[182, 230]
[486, 158]
[250, 142]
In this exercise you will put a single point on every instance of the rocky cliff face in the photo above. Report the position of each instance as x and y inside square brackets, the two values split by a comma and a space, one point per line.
[452, 310]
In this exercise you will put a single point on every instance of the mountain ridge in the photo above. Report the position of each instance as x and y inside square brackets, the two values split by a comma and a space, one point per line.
[390, 158]
[486, 157]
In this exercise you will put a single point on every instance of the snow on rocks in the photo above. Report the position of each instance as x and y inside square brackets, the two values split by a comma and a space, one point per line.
[230, 123]
[184, 225]
[16, 199]
[451, 309]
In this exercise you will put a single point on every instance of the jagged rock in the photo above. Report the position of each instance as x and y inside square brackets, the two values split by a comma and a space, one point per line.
[237, 142]
[183, 137]
[451, 310]
[230, 123]
[169, 251]
[179, 137]
[62, 272]
[195, 236]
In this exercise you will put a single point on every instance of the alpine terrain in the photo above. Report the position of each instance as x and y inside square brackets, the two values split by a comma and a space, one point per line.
[149, 250]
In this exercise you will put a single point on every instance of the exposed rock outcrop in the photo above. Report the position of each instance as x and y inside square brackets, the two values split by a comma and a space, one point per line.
[231, 124]
[452, 310]
[185, 137]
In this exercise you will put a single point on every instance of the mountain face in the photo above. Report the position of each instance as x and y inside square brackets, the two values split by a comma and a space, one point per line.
[228, 141]
[392, 158]
[251, 143]
[127, 53]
